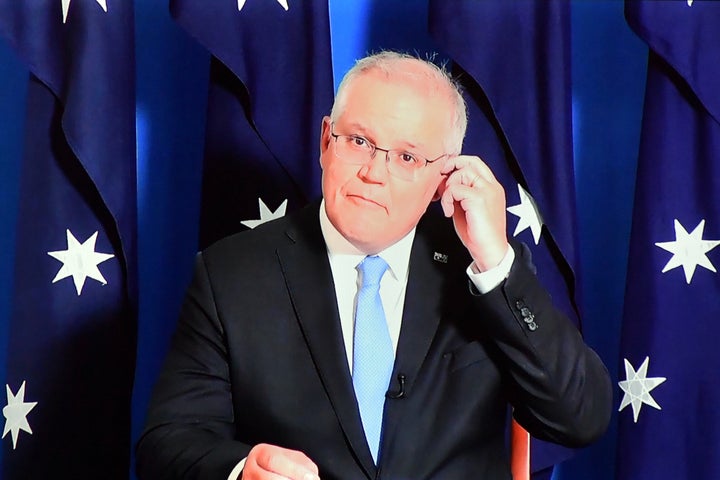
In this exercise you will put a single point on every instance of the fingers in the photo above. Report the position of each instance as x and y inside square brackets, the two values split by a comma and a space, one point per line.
[475, 200]
[270, 462]
[469, 167]
[467, 177]
[454, 192]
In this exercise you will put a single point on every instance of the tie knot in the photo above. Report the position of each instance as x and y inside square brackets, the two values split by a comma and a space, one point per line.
[372, 269]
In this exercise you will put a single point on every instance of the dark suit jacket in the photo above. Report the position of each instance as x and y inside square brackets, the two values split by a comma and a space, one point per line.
[258, 357]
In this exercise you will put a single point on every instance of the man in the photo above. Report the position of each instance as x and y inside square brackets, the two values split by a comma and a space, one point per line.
[288, 363]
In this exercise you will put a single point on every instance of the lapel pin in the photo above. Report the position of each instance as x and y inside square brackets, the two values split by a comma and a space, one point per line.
[440, 257]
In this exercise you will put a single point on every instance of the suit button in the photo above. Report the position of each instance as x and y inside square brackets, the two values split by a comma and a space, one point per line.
[525, 312]
[529, 319]
[532, 326]
[520, 304]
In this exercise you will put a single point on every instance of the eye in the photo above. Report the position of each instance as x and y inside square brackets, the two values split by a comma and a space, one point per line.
[408, 158]
[359, 142]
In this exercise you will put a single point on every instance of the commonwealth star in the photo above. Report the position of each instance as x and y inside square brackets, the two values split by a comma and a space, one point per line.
[637, 387]
[529, 215]
[15, 413]
[265, 214]
[80, 261]
[689, 250]
[66, 7]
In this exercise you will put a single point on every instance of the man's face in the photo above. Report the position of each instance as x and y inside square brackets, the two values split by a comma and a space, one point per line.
[368, 206]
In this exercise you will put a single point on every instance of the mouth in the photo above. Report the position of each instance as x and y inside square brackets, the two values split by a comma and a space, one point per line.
[362, 200]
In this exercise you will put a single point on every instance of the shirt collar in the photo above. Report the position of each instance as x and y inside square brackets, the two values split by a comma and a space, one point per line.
[341, 251]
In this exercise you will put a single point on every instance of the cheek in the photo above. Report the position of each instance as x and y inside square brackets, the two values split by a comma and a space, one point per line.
[415, 198]
[333, 177]
[408, 210]
[336, 181]
[330, 184]
[408, 205]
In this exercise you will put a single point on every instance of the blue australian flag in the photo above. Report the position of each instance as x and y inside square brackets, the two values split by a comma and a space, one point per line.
[270, 85]
[670, 389]
[513, 59]
[70, 360]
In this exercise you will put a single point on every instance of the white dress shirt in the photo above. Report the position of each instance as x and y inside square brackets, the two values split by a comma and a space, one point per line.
[344, 258]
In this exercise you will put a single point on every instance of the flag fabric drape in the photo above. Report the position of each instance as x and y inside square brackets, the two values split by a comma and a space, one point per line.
[71, 353]
[669, 388]
[513, 59]
[270, 85]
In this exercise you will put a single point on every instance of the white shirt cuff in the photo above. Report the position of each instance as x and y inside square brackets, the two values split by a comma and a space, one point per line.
[235, 474]
[486, 281]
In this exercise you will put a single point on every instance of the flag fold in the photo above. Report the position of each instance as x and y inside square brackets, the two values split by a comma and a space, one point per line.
[668, 387]
[71, 354]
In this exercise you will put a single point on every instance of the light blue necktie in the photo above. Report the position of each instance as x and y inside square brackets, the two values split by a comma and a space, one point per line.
[373, 355]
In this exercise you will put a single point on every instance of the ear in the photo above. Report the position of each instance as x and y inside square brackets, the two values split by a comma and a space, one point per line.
[325, 134]
[440, 188]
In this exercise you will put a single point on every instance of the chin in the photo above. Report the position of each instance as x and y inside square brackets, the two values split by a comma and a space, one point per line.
[366, 239]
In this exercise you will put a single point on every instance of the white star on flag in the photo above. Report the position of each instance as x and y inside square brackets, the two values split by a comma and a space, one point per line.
[637, 387]
[529, 215]
[265, 214]
[689, 250]
[284, 3]
[15, 413]
[690, 2]
[66, 7]
[80, 261]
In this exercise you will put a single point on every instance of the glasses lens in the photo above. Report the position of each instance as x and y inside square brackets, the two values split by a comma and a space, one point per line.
[403, 164]
[356, 150]
[352, 149]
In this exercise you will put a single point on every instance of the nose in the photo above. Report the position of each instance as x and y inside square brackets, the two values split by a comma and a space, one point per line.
[376, 169]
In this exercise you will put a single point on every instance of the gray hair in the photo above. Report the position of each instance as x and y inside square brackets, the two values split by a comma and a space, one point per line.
[392, 64]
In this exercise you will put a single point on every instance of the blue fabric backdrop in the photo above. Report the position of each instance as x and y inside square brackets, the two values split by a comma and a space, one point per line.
[608, 77]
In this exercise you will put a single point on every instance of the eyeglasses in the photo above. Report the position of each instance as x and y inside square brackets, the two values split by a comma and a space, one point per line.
[358, 150]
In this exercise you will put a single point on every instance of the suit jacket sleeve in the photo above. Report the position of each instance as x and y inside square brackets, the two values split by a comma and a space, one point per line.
[558, 386]
[189, 429]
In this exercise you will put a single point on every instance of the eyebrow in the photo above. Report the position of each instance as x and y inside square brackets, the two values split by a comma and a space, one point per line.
[360, 129]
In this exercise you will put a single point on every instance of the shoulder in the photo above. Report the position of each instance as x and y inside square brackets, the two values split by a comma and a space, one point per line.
[256, 245]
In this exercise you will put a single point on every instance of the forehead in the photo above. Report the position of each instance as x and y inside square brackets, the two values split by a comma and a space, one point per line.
[398, 106]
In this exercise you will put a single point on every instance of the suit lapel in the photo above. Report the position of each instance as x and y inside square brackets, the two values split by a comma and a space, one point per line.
[421, 313]
[308, 277]
[421, 317]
